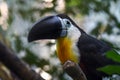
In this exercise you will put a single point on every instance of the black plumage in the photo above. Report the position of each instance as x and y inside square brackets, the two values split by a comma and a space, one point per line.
[92, 53]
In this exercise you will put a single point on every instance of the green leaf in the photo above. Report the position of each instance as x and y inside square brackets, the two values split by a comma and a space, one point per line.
[73, 3]
[112, 54]
[110, 69]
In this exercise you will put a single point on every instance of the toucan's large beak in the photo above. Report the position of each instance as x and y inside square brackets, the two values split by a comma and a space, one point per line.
[47, 28]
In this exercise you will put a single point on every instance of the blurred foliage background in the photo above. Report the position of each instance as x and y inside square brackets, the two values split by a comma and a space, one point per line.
[99, 18]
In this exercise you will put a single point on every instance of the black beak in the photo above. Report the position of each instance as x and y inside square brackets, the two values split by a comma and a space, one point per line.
[47, 28]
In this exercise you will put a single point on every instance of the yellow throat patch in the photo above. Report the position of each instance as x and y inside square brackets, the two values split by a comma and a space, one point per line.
[65, 50]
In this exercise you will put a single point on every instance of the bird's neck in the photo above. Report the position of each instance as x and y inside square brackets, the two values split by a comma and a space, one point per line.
[65, 50]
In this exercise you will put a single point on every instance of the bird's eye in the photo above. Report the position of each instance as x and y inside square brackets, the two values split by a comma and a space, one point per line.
[67, 23]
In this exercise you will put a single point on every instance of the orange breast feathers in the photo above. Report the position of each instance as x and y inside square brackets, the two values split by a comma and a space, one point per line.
[65, 50]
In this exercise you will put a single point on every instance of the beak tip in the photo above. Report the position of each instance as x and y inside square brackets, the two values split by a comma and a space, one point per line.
[29, 39]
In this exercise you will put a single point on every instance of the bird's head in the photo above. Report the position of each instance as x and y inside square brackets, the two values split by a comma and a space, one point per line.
[71, 40]
[54, 27]
[64, 30]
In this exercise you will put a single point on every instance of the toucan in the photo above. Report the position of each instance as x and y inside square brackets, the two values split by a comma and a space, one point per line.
[72, 43]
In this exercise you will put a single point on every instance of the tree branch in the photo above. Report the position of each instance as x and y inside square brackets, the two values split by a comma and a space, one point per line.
[16, 65]
[74, 71]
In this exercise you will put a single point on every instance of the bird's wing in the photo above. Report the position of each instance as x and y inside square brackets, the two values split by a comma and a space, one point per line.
[93, 55]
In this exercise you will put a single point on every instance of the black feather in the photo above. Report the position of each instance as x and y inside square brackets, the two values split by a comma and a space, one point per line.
[93, 56]
[92, 53]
